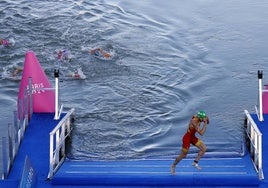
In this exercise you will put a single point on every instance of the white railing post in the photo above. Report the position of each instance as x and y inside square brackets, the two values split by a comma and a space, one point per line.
[260, 95]
[57, 144]
[56, 75]
[51, 149]
[57, 149]
[255, 138]
[62, 151]
[261, 176]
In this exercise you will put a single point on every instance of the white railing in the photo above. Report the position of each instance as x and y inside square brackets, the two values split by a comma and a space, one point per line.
[16, 131]
[57, 142]
[255, 143]
[11, 144]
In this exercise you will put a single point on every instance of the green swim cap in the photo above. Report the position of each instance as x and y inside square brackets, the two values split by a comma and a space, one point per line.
[201, 114]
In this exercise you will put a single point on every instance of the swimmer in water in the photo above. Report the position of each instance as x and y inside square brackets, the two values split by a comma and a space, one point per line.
[100, 51]
[17, 71]
[75, 74]
[61, 54]
[7, 42]
[4, 42]
[78, 74]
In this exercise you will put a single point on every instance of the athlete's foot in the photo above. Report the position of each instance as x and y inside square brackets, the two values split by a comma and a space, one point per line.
[196, 166]
[172, 169]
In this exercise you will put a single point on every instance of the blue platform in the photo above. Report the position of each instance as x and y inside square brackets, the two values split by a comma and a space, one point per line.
[215, 172]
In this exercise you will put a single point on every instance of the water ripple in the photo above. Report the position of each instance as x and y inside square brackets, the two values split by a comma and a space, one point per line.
[168, 62]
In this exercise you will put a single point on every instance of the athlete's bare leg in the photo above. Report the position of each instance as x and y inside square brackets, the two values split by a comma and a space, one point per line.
[202, 149]
[182, 155]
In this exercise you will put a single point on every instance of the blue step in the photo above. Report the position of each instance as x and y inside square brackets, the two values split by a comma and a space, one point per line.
[215, 172]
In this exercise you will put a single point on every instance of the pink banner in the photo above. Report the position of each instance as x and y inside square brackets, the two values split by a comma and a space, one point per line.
[43, 100]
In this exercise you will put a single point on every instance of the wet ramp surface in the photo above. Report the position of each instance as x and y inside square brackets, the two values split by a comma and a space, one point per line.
[214, 172]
